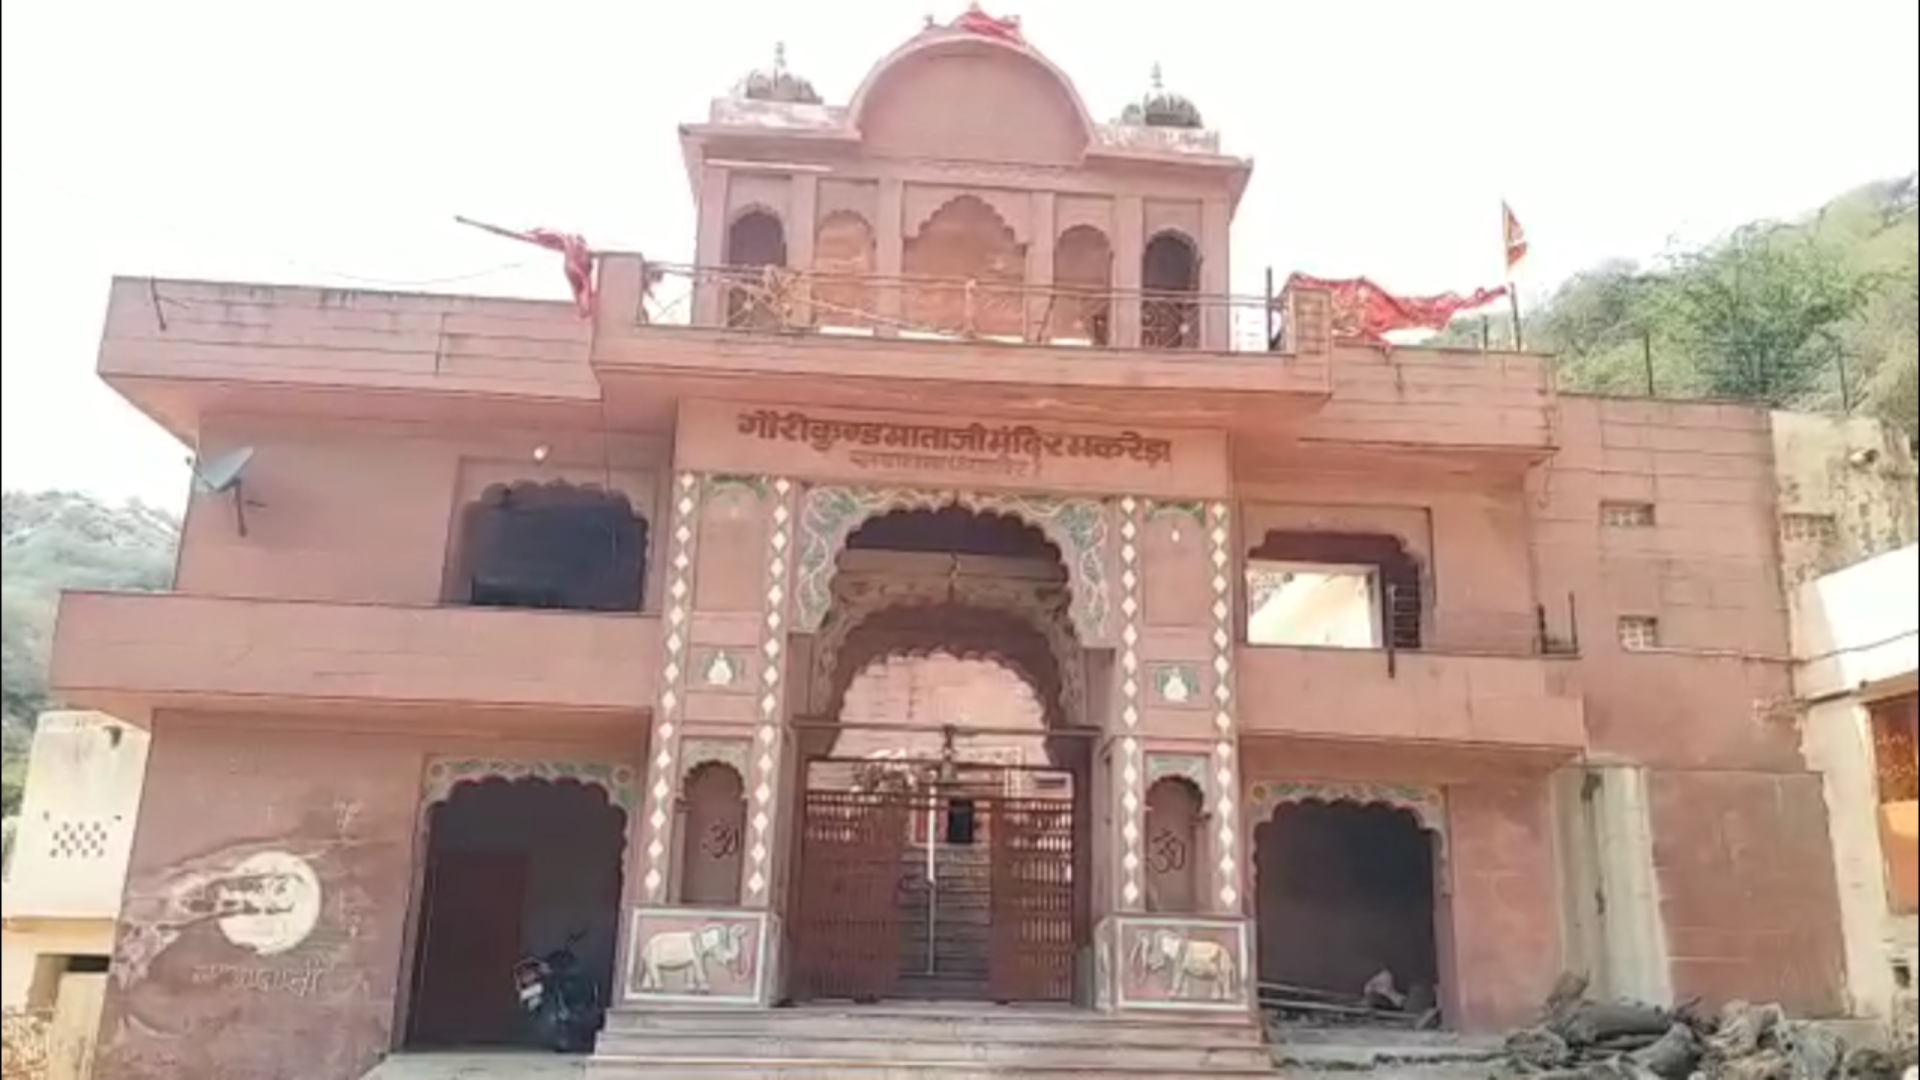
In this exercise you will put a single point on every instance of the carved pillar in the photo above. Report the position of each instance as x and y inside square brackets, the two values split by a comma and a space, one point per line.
[889, 248]
[803, 200]
[1040, 302]
[1216, 315]
[723, 640]
[1129, 247]
[709, 292]
[1177, 715]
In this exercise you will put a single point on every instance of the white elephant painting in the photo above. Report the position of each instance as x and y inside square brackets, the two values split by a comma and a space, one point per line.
[687, 957]
[1186, 964]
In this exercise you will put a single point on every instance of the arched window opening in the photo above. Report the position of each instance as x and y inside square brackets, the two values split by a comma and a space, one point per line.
[1081, 310]
[713, 825]
[1333, 590]
[967, 274]
[1170, 280]
[1345, 903]
[1176, 835]
[756, 243]
[554, 546]
[843, 263]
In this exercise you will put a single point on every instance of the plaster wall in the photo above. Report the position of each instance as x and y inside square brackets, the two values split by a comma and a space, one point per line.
[369, 512]
[1857, 644]
[314, 994]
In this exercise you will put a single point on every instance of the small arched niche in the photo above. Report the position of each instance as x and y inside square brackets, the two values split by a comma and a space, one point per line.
[1176, 837]
[756, 242]
[843, 266]
[557, 546]
[1083, 284]
[712, 831]
[1170, 280]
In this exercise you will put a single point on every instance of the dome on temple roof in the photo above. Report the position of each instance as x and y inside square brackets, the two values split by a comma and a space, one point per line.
[1162, 108]
[777, 83]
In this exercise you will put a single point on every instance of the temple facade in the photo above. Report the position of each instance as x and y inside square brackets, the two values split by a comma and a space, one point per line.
[939, 589]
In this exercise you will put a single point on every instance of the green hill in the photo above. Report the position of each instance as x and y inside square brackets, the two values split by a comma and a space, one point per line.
[1818, 313]
[56, 540]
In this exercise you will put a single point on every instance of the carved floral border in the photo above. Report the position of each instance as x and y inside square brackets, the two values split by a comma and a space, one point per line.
[1426, 804]
[620, 782]
[1077, 526]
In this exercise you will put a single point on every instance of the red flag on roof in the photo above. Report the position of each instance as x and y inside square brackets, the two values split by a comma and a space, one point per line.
[1514, 236]
[576, 258]
[1363, 311]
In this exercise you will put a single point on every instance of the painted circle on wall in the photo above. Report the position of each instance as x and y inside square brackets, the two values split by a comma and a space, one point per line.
[278, 903]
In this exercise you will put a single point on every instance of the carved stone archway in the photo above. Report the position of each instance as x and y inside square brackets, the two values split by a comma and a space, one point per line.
[1029, 612]
[620, 782]
[1426, 804]
[1077, 526]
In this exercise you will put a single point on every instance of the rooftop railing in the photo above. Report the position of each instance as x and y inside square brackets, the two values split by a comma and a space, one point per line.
[780, 300]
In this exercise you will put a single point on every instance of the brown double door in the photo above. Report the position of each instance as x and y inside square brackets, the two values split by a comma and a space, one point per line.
[938, 896]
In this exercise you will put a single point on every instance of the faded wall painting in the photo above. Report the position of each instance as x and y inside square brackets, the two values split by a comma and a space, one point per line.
[713, 956]
[262, 923]
[1182, 964]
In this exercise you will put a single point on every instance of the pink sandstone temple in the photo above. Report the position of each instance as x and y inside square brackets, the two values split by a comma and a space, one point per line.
[938, 599]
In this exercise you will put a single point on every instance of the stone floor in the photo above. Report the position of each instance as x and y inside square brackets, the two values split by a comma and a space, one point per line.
[480, 1065]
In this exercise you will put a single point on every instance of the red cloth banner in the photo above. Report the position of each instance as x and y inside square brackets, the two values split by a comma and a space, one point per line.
[975, 21]
[1363, 311]
[576, 258]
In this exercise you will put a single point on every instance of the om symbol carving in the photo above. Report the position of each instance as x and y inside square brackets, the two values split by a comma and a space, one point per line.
[722, 838]
[1166, 852]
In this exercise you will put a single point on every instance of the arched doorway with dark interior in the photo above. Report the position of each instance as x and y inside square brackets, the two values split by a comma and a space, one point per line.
[943, 842]
[1346, 907]
[513, 868]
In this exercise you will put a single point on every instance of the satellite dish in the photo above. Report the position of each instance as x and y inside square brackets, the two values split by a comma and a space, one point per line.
[223, 472]
[220, 475]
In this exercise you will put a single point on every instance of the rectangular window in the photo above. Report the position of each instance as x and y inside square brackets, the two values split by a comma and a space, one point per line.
[1314, 604]
[1626, 515]
[1639, 633]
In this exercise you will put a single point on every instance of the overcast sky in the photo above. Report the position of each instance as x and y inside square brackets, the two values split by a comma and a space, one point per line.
[331, 143]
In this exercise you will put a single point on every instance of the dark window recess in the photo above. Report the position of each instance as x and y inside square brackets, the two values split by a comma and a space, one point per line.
[960, 822]
[88, 965]
[552, 546]
[1400, 597]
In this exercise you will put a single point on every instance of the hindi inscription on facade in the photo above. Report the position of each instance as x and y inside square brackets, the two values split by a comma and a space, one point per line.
[1003, 449]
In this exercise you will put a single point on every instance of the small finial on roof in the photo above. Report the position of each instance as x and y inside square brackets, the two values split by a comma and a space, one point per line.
[779, 56]
[1158, 82]
[777, 82]
[1160, 107]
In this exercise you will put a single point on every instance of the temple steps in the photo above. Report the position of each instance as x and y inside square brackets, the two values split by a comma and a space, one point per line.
[948, 1042]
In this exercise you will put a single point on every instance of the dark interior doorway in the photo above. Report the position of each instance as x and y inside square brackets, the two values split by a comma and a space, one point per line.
[512, 868]
[1346, 891]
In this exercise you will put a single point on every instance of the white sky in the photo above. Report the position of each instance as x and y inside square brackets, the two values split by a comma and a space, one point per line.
[331, 143]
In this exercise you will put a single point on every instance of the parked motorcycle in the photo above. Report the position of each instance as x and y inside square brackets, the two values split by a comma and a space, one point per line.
[561, 999]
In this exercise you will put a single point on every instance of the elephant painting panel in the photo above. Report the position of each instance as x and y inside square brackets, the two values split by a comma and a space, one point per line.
[684, 954]
[1182, 964]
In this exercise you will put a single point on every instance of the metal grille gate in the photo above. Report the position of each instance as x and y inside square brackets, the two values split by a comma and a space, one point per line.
[883, 913]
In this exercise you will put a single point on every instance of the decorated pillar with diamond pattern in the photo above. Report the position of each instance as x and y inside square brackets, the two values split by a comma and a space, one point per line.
[707, 875]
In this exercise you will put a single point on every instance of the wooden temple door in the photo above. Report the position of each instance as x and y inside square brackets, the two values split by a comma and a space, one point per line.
[847, 937]
[1034, 938]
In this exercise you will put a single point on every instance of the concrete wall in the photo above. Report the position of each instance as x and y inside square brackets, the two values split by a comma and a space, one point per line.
[1859, 642]
[77, 818]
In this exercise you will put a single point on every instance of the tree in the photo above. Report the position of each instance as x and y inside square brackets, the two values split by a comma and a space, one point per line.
[1762, 315]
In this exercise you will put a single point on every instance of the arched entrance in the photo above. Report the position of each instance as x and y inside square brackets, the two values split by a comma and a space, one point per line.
[513, 867]
[942, 848]
[1345, 891]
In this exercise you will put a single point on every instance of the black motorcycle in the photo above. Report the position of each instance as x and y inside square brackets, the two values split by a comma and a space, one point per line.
[562, 1000]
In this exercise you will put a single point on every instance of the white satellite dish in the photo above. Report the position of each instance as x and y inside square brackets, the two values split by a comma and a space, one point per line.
[221, 475]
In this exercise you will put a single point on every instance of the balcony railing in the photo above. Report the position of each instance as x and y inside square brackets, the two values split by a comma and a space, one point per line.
[775, 299]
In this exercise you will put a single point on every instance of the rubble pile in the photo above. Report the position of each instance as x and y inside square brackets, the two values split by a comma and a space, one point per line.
[1578, 1038]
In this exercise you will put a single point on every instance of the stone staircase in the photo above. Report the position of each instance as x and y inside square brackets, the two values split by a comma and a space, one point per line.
[934, 1042]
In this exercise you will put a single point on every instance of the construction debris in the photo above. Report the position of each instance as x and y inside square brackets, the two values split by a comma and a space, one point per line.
[1380, 1002]
[1578, 1038]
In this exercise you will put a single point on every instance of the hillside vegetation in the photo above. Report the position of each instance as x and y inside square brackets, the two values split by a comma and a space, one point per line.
[57, 540]
[1821, 314]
